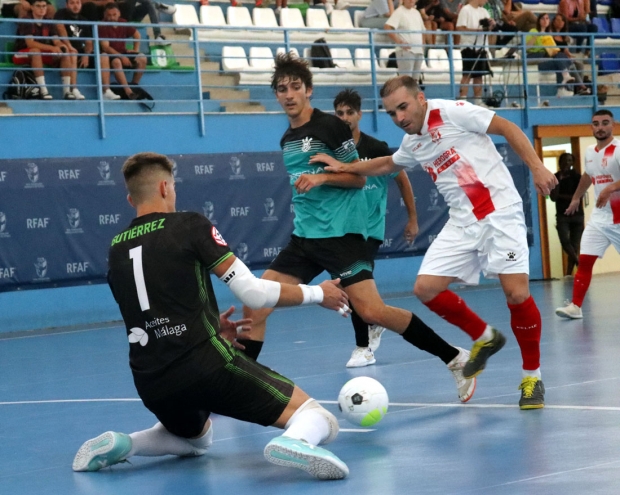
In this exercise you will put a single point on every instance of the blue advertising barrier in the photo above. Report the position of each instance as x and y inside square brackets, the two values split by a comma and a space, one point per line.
[59, 215]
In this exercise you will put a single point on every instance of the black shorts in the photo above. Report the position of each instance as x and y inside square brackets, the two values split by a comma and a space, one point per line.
[345, 257]
[475, 62]
[242, 389]
[373, 246]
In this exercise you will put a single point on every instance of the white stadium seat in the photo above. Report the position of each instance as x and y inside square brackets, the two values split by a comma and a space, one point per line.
[212, 16]
[291, 18]
[239, 16]
[341, 19]
[234, 59]
[185, 15]
[317, 18]
[264, 18]
[261, 57]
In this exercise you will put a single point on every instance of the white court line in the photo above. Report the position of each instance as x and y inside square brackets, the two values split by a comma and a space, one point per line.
[392, 404]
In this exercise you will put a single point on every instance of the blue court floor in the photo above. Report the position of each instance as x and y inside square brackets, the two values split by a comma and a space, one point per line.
[59, 389]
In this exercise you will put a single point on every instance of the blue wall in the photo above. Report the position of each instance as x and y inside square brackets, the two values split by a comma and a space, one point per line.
[40, 137]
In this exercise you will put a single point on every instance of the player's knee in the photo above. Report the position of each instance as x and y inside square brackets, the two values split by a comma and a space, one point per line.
[517, 295]
[371, 314]
[423, 291]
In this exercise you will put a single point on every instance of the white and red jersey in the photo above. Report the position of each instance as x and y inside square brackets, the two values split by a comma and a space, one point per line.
[603, 166]
[460, 157]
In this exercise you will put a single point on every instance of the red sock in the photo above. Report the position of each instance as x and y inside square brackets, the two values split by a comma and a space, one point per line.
[526, 325]
[454, 310]
[583, 278]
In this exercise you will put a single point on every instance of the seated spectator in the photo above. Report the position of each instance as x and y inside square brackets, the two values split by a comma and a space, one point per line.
[551, 58]
[234, 3]
[78, 39]
[38, 44]
[115, 48]
[614, 10]
[451, 10]
[524, 19]
[409, 45]
[21, 9]
[503, 24]
[432, 15]
[131, 11]
[377, 13]
[474, 18]
[559, 28]
[575, 12]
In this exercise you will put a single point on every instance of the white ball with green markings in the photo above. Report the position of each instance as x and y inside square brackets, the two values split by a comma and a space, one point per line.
[363, 401]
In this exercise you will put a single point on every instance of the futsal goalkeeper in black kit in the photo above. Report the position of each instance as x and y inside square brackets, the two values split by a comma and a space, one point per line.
[183, 367]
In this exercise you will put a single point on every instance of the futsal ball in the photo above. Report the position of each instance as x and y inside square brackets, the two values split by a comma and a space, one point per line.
[363, 401]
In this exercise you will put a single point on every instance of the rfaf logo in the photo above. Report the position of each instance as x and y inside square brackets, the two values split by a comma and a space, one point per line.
[433, 200]
[242, 251]
[2, 175]
[3, 232]
[41, 269]
[270, 209]
[105, 173]
[209, 210]
[74, 222]
[235, 165]
[175, 171]
[32, 171]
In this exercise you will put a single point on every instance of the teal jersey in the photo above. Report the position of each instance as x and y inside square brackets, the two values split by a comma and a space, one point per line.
[324, 211]
[376, 188]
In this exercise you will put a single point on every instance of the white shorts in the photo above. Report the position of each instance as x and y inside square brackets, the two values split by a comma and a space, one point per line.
[597, 237]
[495, 245]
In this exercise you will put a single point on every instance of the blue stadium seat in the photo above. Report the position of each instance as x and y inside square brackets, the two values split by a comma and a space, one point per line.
[608, 63]
[607, 3]
[530, 2]
[550, 2]
[615, 26]
[602, 24]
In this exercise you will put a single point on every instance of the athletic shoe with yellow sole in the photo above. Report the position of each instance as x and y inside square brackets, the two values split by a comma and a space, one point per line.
[481, 352]
[532, 393]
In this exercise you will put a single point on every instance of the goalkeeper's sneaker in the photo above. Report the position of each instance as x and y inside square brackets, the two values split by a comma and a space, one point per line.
[107, 449]
[481, 352]
[317, 461]
[374, 336]
[465, 386]
[361, 356]
[532, 393]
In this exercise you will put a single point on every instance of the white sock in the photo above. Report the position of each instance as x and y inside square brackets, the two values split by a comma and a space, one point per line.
[309, 425]
[158, 441]
[66, 84]
[486, 335]
[535, 373]
[41, 82]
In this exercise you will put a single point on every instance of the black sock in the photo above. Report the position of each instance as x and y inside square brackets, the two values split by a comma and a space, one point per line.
[252, 347]
[360, 327]
[423, 337]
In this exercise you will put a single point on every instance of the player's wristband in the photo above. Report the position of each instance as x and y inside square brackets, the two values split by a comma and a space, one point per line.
[313, 294]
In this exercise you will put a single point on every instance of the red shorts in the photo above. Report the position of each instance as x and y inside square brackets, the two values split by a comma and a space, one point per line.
[22, 58]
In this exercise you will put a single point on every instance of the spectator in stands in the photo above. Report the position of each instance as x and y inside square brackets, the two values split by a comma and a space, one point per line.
[543, 50]
[559, 28]
[22, 8]
[409, 46]
[38, 44]
[234, 3]
[80, 42]
[115, 48]
[524, 19]
[614, 10]
[377, 13]
[131, 11]
[502, 24]
[576, 14]
[432, 15]
[451, 9]
[473, 17]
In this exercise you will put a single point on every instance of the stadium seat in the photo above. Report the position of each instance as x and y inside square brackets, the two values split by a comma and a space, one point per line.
[357, 17]
[281, 51]
[212, 16]
[602, 24]
[608, 63]
[384, 55]
[615, 25]
[341, 19]
[185, 15]
[239, 16]
[317, 18]
[264, 18]
[362, 59]
[291, 18]
[342, 58]
[234, 59]
[261, 57]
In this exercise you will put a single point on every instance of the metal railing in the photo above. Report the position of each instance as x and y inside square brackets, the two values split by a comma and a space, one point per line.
[183, 89]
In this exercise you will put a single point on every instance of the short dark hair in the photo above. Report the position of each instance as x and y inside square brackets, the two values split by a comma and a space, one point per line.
[139, 170]
[293, 67]
[110, 6]
[350, 98]
[603, 111]
[32, 2]
[394, 83]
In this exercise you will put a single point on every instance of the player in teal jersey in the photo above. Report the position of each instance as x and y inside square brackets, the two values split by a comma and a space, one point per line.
[331, 223]
[348, 108]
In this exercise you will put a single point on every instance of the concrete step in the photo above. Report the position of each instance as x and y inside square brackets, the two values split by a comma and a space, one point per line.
[227, 94]
[243, 107]
[213, 79]
[5, 109]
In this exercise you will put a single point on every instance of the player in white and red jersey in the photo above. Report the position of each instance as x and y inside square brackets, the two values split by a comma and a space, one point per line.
[602, 170]
[486, 230]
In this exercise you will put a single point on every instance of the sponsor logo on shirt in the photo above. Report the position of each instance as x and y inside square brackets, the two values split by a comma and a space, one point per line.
[511, 256]
[306, 144]
[217, 237]
[602, 179]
